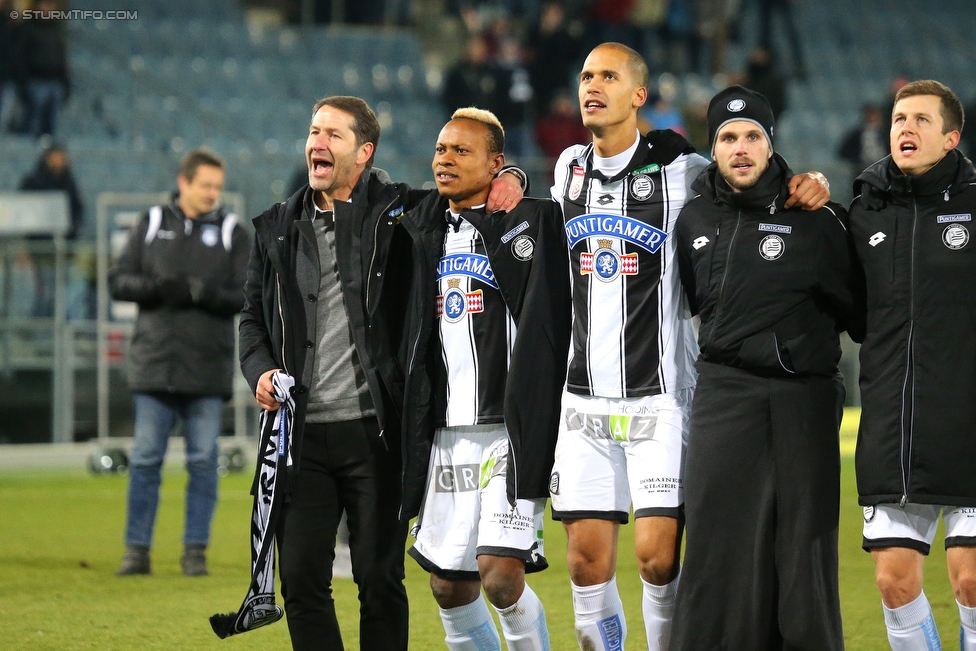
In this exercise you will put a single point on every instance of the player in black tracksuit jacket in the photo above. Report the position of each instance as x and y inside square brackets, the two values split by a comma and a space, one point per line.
[762, 477]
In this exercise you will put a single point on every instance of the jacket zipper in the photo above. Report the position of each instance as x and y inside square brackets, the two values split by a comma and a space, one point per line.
[376, 230]
[369, 283]
[725, 272]
[281, 315]
[907, 437]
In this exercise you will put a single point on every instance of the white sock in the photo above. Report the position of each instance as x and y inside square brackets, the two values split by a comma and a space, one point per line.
[967, 628]
[600, 622]
[524, 623]
[470, 628]
[658, 607]
[911, 627]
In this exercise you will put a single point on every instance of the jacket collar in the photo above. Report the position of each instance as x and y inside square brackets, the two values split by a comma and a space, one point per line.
[883, 182]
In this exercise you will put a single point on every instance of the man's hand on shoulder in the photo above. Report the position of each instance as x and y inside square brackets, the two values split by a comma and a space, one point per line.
[809, 191]
[507, 190]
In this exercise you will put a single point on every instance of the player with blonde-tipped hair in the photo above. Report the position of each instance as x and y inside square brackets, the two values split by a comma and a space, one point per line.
[488, 334]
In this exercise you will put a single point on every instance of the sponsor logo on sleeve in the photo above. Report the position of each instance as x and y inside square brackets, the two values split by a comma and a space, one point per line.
[507, 237]
[576, 186]
[948, 219]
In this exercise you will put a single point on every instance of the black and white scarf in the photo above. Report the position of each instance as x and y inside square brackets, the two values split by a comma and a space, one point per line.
[274, 460]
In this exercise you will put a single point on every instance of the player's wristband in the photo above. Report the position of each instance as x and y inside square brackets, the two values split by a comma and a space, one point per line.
[519, 174]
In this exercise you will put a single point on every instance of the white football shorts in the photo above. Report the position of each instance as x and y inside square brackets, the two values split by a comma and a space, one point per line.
[913, 526]
[466, 511]
[612, 453]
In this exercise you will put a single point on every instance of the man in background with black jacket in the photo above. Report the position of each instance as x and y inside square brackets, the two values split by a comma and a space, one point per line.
[184, 265]
[916, 447]
[773, 288]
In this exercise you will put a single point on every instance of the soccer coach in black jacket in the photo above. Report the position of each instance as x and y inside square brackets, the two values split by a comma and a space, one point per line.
[481, 393]
[324, 302]
[916, 449]
[762, 477]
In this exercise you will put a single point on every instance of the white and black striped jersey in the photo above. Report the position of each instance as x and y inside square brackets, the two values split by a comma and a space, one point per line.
[476, 330]
[632, 329]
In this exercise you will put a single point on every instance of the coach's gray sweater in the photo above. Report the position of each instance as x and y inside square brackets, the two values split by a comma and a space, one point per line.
[337, 385]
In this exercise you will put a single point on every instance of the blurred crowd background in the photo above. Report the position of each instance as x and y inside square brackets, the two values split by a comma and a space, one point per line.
[101, 98]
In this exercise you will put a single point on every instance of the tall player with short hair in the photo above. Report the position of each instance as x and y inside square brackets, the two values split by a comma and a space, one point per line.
[916, 450]
[631, 375]
[489, 326]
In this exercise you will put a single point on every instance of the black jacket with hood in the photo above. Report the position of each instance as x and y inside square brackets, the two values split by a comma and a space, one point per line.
[773, 287]
[917, 438]
[373, 258]
[537, 293]
[183, 340]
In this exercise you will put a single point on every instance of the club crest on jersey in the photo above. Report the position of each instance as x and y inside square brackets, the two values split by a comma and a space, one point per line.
[210, 235]
[577, 185]
[606, 264]
[772, 247]
[473, 265]
[641, 187]
[523, 248]
[621, 227]
[955, 236]
[455, 303]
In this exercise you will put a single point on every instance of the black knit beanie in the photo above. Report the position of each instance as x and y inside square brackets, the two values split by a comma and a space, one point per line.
[738, 103]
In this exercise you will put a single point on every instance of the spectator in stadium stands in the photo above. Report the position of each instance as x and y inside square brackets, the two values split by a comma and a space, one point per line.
[773, 288]
[662, 114]
[45, 52]
[763, 77]
[560, 128]
[631, 376]
[867, 142]
[968, 144]
[489, 318]
[514, 106]
[555, 43]
[11, 69]
[314, 282]
[184, 265]
[53, 172]
[475, 81]
[785, 10]
[911, 222]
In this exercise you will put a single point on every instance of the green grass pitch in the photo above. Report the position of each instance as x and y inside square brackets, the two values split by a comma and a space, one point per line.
[61, 541]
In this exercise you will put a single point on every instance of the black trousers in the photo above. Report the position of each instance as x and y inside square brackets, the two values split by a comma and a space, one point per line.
[762, 500]
[344, 466]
